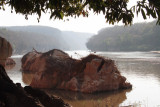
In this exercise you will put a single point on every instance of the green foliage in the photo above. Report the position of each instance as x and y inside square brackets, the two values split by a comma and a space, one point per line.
[113, 10]
[138, 37]
[149, 8]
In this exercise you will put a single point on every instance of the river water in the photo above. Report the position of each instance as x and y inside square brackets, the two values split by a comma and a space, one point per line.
[142, 70]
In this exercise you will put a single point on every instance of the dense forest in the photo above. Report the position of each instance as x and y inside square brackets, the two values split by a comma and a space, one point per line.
[24, 38]
[138, 37]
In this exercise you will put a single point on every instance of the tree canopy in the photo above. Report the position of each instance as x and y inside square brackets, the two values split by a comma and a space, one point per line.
[138, 37]
[113, 10]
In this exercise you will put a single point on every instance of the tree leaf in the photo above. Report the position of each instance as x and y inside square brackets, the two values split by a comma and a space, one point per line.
[143, 14]
[153, 13]
[61, 14]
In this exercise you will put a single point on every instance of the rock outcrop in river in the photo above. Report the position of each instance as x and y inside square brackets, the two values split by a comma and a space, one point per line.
[56, 69]
[13, 95]
[5, 50]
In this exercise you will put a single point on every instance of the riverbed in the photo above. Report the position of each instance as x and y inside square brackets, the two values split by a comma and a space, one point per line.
[142, 70]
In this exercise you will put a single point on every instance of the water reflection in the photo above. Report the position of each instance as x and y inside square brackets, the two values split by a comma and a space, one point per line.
[103, 99]
[9, 67]
[14, 67]
[14, 72]
[145, 78]
[27, 78]
[142, 70]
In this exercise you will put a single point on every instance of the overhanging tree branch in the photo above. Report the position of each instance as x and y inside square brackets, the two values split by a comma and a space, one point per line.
[113, 10]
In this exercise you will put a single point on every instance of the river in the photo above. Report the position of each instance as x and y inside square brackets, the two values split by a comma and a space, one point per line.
[142, 70]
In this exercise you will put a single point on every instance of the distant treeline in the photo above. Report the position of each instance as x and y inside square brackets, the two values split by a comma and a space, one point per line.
[138, 37]
[23, 41]
[42, 38]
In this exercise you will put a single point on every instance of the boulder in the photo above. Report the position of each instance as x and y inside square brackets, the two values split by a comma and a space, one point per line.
[55, 69]
[5, 50]
[13, 95]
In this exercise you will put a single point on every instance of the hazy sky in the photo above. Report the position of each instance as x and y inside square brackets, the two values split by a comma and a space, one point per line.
[92, 24]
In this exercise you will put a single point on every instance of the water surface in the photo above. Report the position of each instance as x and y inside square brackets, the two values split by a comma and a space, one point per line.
[142, 70]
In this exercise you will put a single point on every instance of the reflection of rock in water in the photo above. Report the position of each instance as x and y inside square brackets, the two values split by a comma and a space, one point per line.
[14, 95]
[103, 99]
[9, 67]
[9, 64]
[27, 78]
[14, 67]
[10, 61]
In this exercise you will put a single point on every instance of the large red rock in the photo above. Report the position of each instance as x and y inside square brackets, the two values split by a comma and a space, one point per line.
[5, 50]
[55, 69]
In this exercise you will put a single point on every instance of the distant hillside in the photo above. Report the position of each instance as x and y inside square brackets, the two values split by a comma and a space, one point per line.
[45, 30]
[138, 37]
[24, 38]
[23, 42]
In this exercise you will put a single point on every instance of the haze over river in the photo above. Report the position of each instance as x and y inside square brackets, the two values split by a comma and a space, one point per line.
[142, 70]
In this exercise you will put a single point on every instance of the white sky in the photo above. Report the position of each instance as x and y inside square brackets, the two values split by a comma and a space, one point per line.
[92, 24]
